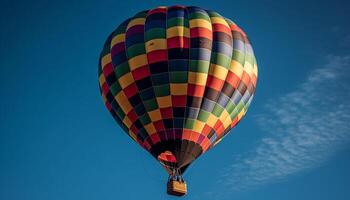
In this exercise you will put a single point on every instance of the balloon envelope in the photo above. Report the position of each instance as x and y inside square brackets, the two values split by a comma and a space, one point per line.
[177, 79]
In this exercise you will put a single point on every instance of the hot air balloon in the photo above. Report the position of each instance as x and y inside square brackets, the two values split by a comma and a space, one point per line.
[177, 80]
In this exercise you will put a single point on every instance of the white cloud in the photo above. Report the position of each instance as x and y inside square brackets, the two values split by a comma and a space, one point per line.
[302, 128]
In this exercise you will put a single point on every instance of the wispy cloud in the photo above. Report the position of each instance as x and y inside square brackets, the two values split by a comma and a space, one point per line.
[302, 128]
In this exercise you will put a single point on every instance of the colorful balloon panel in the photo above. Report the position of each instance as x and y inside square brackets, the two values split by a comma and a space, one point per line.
[177, 79]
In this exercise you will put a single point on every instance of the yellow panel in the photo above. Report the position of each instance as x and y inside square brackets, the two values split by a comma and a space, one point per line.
[102, 79]
[155, 115]
[178, 89]
[255, 70]
[136, 21]
[132, 135]
[197, 78]
[200, 23]
[228, 121]
[127, 121]
[177, 31]
[164, 102]
[126, 80]
[156, 44]
[223, 118]
[248, 68]
[218, 71]
[137, 61]
[198, 126]
[218, 20]
[150, 128]
[240, 114]
[236, 68]
[104, 98]
[118, 39]
[106, 60]
[211, 120]
[123, 102]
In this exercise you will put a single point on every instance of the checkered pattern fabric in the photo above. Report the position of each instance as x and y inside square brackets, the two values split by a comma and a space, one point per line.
[177, 79]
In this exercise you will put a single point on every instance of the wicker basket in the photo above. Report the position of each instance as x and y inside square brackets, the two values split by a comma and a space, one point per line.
[176, 188]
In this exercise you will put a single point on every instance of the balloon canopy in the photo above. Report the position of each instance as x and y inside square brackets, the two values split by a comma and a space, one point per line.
[177, 80]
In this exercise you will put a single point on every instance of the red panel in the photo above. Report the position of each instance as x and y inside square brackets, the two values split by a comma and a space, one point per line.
[146, 145]
[177, 42]
[219, 127]
[254, 80]
[215, 83]
[141, 72]
[108, 69]
[157, 56]
[157, 10]
[195, 90]
[132, 116]
[205, 144]
[179, 100]
[236, 28]
[159, 125]
[234, 122]
[155, 138]
[221, 28]
[105, 88]
[233, 79]
[108, 105]
[194, 136]
[186, 134]
[201, 32]
[131, 90]
[206, 130]
[245, 78]
[167, 113]
[134, 129]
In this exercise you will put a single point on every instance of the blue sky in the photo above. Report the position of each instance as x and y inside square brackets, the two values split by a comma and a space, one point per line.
[57, 141]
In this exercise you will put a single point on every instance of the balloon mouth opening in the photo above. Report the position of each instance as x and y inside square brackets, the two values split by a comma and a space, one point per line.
[167, 158]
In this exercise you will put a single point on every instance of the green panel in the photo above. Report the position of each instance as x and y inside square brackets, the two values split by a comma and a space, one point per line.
[234, 114]
[203, 115]
[230, 106]
[115, 88]
[155, 33]
[122, 69]
[214, 14]
[120, 113]
[249, 58]
[145, 119]
[189, 123]
[199, 15]
[151, 104]
[199, 66]
[240, 106]
[238, 56]
[217, 110]
[220, 59]
[163, 90]
[178, 77]
[176, 21]
[136, 49]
